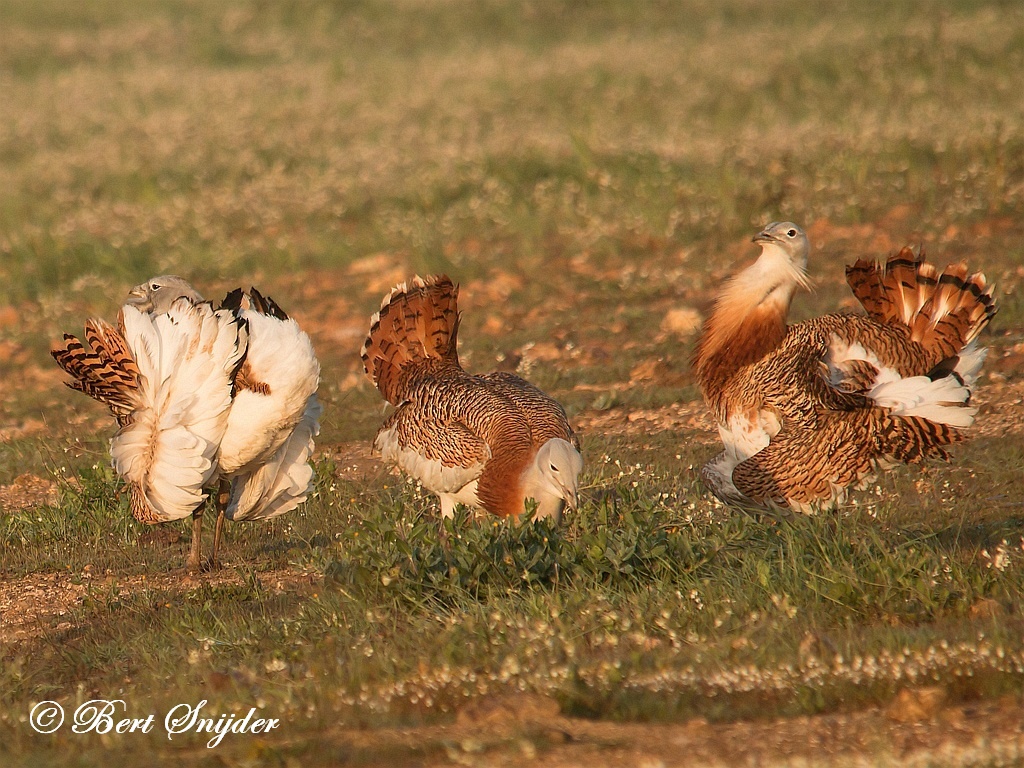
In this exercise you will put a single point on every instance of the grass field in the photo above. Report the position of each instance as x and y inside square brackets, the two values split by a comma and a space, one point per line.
[589, 172]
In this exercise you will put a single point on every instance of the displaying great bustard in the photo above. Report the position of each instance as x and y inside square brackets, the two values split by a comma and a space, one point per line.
[490, 441]
[807, 410]
[203, 396]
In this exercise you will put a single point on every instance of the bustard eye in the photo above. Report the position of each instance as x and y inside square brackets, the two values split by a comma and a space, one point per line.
[154, 286]
[553, 468]
[792, 233]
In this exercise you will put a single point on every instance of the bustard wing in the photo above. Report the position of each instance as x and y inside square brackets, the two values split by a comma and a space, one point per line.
[801, 465]
[434, 445]
[273, 389]
[285, 480]
[545, 415]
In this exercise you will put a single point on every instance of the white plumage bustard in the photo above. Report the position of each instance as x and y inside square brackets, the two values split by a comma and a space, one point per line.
[264, 455]
[203, 395]
[168, 379]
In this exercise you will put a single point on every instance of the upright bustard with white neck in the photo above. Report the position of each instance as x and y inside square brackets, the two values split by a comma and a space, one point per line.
[808, 410]
[203, 396]
[490, 441]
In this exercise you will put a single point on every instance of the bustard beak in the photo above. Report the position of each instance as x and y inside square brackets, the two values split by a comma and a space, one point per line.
[137, 295]
[571, 497]
[764, 236]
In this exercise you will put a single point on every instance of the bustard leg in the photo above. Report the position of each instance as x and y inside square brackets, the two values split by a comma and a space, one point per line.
[197, 539]
[223, 497]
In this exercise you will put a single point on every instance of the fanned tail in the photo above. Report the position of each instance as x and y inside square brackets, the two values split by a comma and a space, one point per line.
[944, 312]
[102, 367]
[417, 321]
[187, 360]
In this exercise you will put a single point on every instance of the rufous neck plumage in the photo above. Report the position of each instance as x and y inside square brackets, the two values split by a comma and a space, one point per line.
[749, 318]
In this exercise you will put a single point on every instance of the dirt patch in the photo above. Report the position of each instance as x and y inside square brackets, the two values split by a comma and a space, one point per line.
[506, 734]
[27, 492]
[34, 605]
[1000, 405]
[352, 461]
[693, 417]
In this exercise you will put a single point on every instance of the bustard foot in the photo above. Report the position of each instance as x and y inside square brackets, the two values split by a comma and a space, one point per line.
[218, 530]
[194, 562]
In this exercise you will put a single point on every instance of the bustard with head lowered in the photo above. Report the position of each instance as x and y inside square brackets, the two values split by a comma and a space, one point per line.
[490, 441]
[807, 410]
[254, 438]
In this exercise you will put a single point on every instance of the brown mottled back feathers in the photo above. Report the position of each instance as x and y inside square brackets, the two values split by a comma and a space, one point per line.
[416, 322]
[450, 416]
[548, 419]
[102, 367]
[804, 464]
[493, 423]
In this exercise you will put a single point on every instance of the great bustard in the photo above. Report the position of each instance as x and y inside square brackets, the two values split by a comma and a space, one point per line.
[258, 435]
[490, 441]
[168, 379]
[807, 410]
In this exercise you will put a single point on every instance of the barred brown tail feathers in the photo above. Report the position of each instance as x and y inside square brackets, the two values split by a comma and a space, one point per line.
[102, 367]
[416, 322]
[944, 312]
[911, 439]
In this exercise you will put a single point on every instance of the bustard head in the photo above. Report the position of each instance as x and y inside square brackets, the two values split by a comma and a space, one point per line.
[558, 466]
[784, 249]
[158, 293]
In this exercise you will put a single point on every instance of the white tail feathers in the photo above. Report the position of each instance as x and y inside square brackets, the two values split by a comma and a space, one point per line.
[853, 367]
[968, 367]
[186, 362]
[942, 401]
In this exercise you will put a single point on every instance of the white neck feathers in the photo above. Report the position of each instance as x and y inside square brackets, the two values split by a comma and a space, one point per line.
[770, 281]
